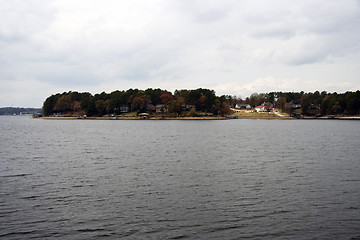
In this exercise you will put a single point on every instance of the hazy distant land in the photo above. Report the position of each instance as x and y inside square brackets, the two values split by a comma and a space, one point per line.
[19, 111]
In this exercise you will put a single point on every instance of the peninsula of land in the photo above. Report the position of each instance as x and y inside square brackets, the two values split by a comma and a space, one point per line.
[200, 104]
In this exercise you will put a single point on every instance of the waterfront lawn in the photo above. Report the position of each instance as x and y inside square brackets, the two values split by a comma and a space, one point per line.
[258, 115]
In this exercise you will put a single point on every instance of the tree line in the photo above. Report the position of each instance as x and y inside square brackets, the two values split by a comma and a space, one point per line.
[201, 100]
[135, 100]
[310, 104]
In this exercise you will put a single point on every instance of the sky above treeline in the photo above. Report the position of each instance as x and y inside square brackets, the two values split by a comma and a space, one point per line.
[234, 47]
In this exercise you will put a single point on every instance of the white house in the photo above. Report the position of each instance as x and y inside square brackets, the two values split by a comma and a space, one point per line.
[261, 109]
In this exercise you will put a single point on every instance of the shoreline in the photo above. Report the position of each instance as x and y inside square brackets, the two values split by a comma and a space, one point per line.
[197, 118]
[334, 118]
[134, 118]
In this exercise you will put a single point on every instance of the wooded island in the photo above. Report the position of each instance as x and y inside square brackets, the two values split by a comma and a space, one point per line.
[199, 103]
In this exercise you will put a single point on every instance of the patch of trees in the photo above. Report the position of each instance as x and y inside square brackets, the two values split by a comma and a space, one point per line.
[310, 103]
[135, 100]
[346, 104]
[202, 100]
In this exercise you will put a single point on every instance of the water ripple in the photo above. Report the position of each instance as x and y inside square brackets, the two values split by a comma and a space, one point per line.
[180, 180]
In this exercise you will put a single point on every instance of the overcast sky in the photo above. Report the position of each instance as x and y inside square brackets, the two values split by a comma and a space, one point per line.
[235, 47]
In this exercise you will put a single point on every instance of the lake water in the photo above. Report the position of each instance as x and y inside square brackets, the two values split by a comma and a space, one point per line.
[130, 179]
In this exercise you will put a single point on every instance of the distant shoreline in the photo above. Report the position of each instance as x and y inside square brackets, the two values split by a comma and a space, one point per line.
[335, 118]
[136, 118]
[195, 118]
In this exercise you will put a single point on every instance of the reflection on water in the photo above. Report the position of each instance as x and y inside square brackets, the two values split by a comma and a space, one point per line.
[98, 179]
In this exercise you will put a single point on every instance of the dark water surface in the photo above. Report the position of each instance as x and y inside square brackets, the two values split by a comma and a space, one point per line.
[234, 179]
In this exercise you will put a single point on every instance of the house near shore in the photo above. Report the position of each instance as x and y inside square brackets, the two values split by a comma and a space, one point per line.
[160, 108]
[190, 108]
[261, 109]
[242, 106]
[292, 106]
[124, 108]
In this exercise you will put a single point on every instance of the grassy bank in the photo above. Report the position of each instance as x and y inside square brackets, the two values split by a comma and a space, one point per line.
[260, 115]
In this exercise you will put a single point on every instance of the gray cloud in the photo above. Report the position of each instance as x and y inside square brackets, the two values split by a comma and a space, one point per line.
[226, 45]
[23, 19]
[206, 12]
